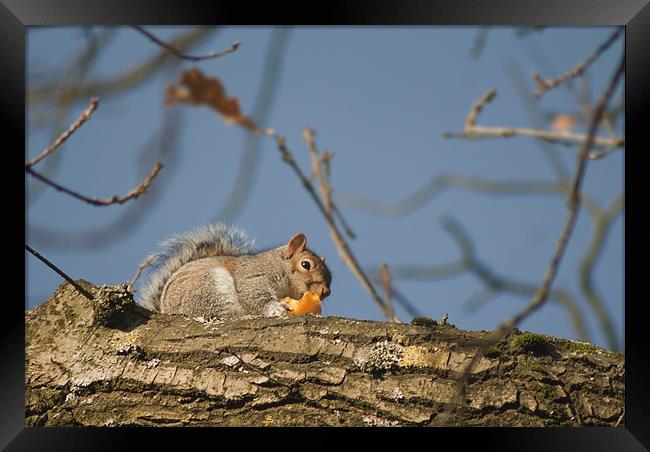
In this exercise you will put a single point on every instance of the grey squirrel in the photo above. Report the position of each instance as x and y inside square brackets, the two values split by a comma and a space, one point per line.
[214, 272]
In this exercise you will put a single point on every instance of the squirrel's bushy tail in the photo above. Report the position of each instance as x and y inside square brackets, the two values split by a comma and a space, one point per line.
[215, 239]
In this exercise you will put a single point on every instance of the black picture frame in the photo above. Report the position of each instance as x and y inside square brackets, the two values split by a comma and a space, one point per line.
[17, 15]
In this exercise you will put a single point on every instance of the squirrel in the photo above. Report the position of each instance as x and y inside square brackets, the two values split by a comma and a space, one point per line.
[214, 272]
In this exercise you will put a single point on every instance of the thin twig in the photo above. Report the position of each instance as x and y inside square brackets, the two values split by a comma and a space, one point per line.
[493, 282]
[72, 77]
[321, 170]
[602, 225]
[173, 50]
[538, 121]
[479, 43]
[141, 268]
[472, 131]
[594, 251]
[580, 96]
[348, 230]
[403, 301]
[133, 194]
[577, 71]
[83, 291]
[470, 121]
[129, 79]
[399, 297]
[270, 75]
[341, 245]
[386, 282]
[323, 162]
[288, 158]
[85, 116]
[161, 145]
[542, 293]
[565, 138]
[443, 182]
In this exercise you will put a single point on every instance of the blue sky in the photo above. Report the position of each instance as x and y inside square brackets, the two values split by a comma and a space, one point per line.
[380, 99]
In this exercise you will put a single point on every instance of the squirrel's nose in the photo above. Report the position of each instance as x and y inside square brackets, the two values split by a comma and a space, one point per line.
[324, 292]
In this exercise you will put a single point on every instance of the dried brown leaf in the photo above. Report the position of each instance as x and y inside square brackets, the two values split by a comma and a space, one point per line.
[195, 88]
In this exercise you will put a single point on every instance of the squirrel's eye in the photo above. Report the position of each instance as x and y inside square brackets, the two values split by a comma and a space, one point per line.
[306, 265]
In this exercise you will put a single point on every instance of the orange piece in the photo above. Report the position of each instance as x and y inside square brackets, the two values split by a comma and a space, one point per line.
[308, 303]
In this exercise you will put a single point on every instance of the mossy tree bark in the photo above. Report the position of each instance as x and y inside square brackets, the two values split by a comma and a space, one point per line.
[110, 362]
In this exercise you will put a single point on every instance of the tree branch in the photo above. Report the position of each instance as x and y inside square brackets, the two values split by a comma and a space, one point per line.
[344, 252]
[443, 182]
[73, 76]
[157, 369]
[174, 51]
[125, 80]
[472, 131]
[81, 290]
[85, 116]
[320, 167]
[494, 283]
[542, 293]
[577, 71]
[133, 194]
[264, 100]
[602, 225]
[162, 145]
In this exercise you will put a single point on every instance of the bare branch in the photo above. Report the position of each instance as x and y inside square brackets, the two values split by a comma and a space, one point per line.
[542, 294]
[161, 145]
[566, 138]
[577, 71]
[470, 121]
[443, 182]
[125, 80]
[141, 268]
[428, 272]
[67, 85]
[479, 43]
[551, 153]
[270, 76]
[321, 170]
[602, 225]
[136, 192]
[404, 302]
[173, 50]
[85, 116]
[67, 94]
[574, 205]
[581, 97]
[346, 227]
[473, 131]
[387, 284]
[494, 283]
[340, 243]
[81, 290]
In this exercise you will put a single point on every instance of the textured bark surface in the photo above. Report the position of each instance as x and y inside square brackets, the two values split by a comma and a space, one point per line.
[109, 362]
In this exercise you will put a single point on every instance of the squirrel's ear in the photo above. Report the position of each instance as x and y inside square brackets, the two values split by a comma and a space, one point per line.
[296, 244]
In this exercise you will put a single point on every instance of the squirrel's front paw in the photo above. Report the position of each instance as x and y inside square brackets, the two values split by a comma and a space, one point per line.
[276, 309]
